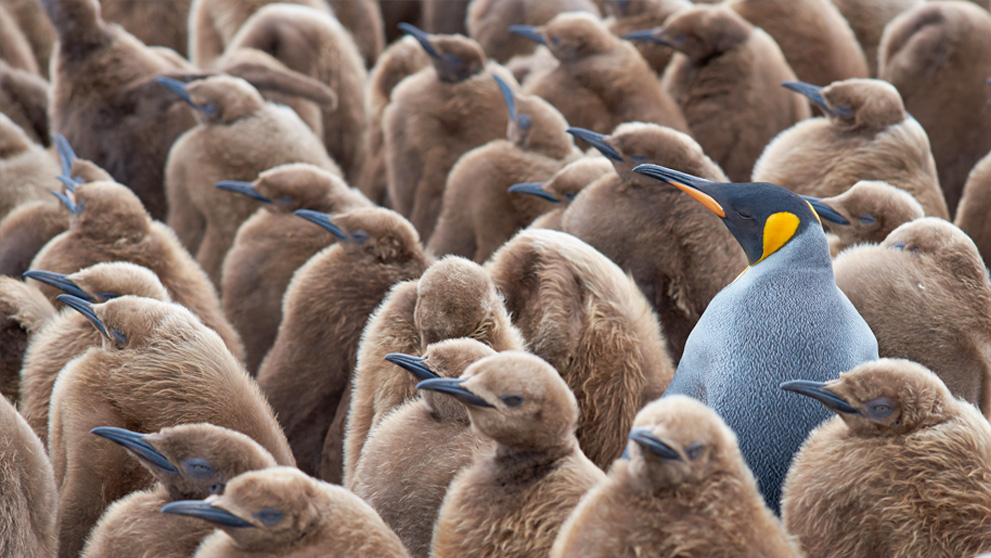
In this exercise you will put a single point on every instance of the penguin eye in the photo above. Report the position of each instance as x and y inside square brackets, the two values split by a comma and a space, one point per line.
[744, 215]
[638, 159]
[119, 337]
[866, 219]
[209, 109]
[881, 409]
[216, 488]
[285, 200]
[198, 468]
[269, 516]
[106, 296]
[524, 122]
[359, 236]
[694, 450]
[512, 400]
[569, 197]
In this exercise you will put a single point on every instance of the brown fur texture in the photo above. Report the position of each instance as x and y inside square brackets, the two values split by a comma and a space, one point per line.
[867, 20]
[873, 209]
[415, 452]
[677, 251]
[152, 23]
[395, 12]
[244, 138]
[513, 498]
[433, 119]
[443, 16]
[30, 18]
[727, 80]
[23, 312]
[27, 170]
[453, 298]
[601, 80]
[974, 208]
[24, 98]
[206, 458]
[825, 156]
[925, 293]
[28, 495]
[318, 520]
[26, 230]
[307, 373]
[815, 39]
[488, 22]
[272, 244]
[565, 185]
[704, 502]
[938, 55]
[15, 49]
[523, 67]
[363, 19]
[637, 15]
[113, 226]
[479, 214]
[581, 313]
[159, 367]
[403, 58]
[315, 44]
[915, 481]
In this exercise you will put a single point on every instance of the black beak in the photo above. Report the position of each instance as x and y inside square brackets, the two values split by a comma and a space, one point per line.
[507, 94]
[646, 440]
[66, 156]
[323, 220]
[422, 37]
[534, 189]
[818, 391]
[814, 94]
[646, 35]
[597, 141]
[528, 31]
[241, 187]
[179, 88]
[699, 188]
[135, 443]
[826, 212]
[67, 202]
[84, 308]
[204, 510]
[59, 281]
[414, 364]
[452, 386]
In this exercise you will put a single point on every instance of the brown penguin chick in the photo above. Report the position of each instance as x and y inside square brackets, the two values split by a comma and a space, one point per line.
[401, 59]
[435, 116]
[68, 334]
[27, 170]
[109, 224]
[871, 209]
[26, 230]
[903, 470]
[190, 462]
[727, 79]
[313, 43]
[153, 23]
[14, 46]
[813, 35]
[938, 55]
[159, 366]
[239, 136]
[414, 453]
[24, 98]
[363, 20]
[273, 243]
[679, 253]
[601, 80]
[453, 298]
[974, 208]
[488, 20]
[281, 512]
[866, 135]
[27, 490]
[925, 293]
[564, 186]
[479, 213]
[24, 311]
[513, 498]
[30, 18]
[585, 316]
[310, 388]
[867, 20]
[104, 100]
[684, 490]
[636, 15]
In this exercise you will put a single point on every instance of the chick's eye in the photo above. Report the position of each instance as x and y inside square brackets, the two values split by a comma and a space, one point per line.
[512, 400]
[269, 516]
[216, 488]
[694, 450]
[524, 122]
[881, 408]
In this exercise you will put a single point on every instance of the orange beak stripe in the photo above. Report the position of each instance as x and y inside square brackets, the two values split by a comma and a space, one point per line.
[703, 198]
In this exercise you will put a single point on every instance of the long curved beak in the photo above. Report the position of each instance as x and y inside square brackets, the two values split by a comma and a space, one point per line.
[67, 201]
[507, 95]
[529, 31]
[819, 392]
[826, 212]
[646, 440]
[598, 141]
[324, 221]
[241, 187]
[58, 281]
[646, 35]
[205, 510]
[84, 308]
[413, 364]
[421, 36]
[814, 94]
[699, 188]
[135, 443]
[65, 154]
[452, 386]
[534, 189]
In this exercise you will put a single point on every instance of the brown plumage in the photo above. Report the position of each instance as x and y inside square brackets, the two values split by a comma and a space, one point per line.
[153, 23]
[441, 16]
[925, 293]
[601, 80]
[30, 18]
[938, 55]
[24, 311]
[866, 135]
[272, 244]
[867, 20]
[479, 213]
[111, 225]
[288, 514]
[413, 455]
[679, 253]
[872, 209]
[565, 185]
[24, 98]
[488, 22]
[815, 39]
[27, 170]
[190, 462]
[28, 495]
[513, 498]
[974, 208]
[685, 490]
[636, 15]
[315, 44]
[26, 230]
[727, 79]
[159, 366]
[904, 470]
[581, 313]
[453, 298]
[307, 373]
[363, 20]
[239, 136]
[457, 107]
[14, 46]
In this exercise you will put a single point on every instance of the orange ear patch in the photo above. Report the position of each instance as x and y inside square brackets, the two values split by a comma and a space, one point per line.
[778, 230]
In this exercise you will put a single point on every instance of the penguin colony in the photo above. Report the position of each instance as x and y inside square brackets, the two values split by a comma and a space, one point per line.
[515, 278]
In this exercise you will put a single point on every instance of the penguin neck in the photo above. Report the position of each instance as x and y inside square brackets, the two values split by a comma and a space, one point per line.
[808, 250]
[521, 466]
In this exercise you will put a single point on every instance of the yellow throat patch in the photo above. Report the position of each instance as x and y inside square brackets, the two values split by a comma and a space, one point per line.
[778, 229]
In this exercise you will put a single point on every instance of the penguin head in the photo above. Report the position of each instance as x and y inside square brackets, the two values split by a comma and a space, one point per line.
[570, 36]
[700, 33]
[454, 57]
[455, 298]
[445, 359]
[376, 233]
[220, 99]
[862, 105]
[13, 140]
[566, 183]
[107, 213]
[292, 186]
[77, 21]
[534, 124]
[870, 208]
[939, 244]
[762, 217]
[886, 397]
[103, 281]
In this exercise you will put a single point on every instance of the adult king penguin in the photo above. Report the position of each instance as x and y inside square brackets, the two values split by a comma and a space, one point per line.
[783, 315]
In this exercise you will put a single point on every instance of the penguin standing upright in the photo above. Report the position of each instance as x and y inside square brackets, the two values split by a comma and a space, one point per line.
[783, 315]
